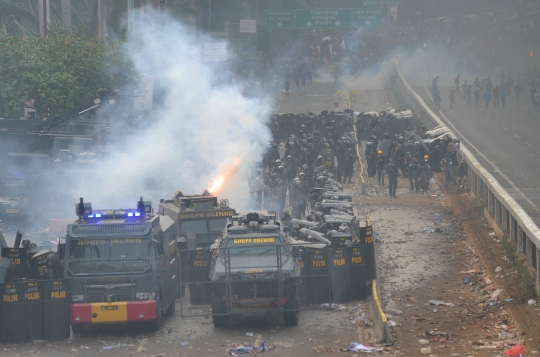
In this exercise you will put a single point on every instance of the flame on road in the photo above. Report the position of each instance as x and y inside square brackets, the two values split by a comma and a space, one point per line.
[225, 176]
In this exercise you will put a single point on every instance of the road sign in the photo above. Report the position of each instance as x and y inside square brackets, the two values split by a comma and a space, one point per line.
[323, 18]
[370, 3]
[215, 52]
[279, 19]
[367, 16]
[248, 26]
[392, 3]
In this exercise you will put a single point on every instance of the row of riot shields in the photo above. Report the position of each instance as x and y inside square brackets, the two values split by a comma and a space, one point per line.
[34, 310]
[328, 274]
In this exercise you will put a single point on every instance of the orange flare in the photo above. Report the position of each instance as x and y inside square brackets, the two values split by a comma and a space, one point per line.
[223, 177]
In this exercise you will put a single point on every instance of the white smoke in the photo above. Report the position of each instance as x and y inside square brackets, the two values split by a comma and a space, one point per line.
[201, 126]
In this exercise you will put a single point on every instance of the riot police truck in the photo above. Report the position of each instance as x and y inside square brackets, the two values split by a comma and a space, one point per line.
[254, 270]
[122, 266]
[201, 218]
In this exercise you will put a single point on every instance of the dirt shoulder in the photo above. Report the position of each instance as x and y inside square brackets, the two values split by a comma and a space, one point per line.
[422, 267]
[491, 256]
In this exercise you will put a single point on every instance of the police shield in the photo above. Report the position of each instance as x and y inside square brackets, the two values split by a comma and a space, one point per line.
[33, 302]
[56, 310]
[12, 321]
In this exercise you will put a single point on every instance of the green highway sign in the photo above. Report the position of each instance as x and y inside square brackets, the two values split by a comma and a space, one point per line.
[367, 17]
[370, 3]
[323, 18]
[279, 19]
[392, 2]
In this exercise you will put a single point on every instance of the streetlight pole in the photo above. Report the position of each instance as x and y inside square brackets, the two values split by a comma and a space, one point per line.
[256, 29]
[209, 18]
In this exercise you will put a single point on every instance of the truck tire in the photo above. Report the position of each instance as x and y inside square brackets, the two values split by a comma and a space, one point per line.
[77, 329]
[171, 309]
[292, 316]
[218, 310]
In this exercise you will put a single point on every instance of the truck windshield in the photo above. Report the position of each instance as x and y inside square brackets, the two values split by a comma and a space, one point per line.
[252, 246]
[217, 225]
[108, 255]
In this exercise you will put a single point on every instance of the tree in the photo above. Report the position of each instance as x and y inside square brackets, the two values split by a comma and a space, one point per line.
[61, 71]
[17, 18]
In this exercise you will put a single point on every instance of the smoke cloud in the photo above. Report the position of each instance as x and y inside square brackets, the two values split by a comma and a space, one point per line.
[201, 127]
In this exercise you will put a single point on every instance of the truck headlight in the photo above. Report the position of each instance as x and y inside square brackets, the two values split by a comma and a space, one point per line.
[77, 297]
[142, 296]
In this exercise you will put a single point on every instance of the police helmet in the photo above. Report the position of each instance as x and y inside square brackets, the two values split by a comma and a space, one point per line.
[286, 213]
[289, 157]
[305, 166]
[426, 156]
[386, 135]
[331, 233]
[301, 174]
[318, 205]
[278, 161]
[310, 218]
[26, 243]
[278, 181]
[379, 152]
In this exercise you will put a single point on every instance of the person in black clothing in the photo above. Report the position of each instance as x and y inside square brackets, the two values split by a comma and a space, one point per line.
[463, 172]
[412, 165]
[380, 161]
[80, 209]
[392, 170]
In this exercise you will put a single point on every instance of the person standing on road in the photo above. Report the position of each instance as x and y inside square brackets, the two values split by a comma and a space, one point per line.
[452, 98]
[310, 76]
[287, 87]
[464, 90]
[446, 167]
[503, 97]
[303, 81]
[412, 165]
[476, 96]
[536, 99]
[463, 172]
[392, 170]
[456, 82]
[487, 97]
[437, 100]
[496, 93]
[467, 93]
[517, 89]
[380, 161]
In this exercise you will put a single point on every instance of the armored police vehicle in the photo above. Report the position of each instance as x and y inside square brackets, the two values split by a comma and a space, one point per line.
[122, 266]
[201, 219]
[254, 270]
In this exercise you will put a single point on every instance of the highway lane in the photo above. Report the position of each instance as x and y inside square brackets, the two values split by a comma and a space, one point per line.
[505, 140]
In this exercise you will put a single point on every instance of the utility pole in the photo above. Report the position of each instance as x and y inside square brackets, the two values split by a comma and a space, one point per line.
[102, 19]
[66, 13]
[44, 17]
[130, 17]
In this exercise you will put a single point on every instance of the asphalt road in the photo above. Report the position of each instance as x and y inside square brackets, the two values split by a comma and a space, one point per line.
[505, 140]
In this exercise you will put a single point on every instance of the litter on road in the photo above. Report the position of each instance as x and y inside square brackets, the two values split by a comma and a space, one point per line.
[358, 347]
[440, 303]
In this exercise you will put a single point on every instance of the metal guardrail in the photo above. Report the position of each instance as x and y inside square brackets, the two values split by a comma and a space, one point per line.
[502, 208]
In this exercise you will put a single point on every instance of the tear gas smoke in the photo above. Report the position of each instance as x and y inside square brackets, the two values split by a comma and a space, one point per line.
[203, 130]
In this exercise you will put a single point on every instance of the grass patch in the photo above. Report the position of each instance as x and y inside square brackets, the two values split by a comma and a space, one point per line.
[521, 268]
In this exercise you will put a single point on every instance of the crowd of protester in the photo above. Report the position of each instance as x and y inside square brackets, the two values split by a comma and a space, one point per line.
[499, 39]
